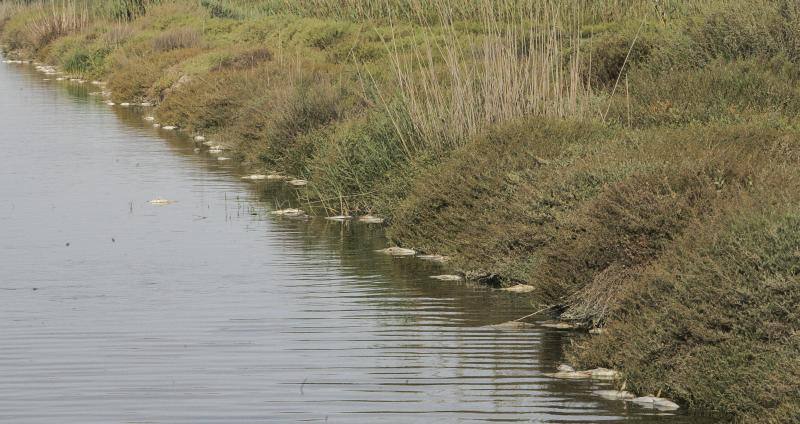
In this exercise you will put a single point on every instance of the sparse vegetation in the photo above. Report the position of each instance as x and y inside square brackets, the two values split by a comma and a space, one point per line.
[634, 161]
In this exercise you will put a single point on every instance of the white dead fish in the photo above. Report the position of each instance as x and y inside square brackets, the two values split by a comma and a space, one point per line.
[208, 143]
[558, 325]
[519, 288]
[565, 368]
[223, 158]
[369, 219]
[447, 277]
[615, 394]
[509, 326]
[397, 251]
[255, 177]
[604, 374]
[149, 118]
[277, 177]
[433, 258]
[60, 79]
[214, 151]
[339, 218]
[169, 127]
[655, 402]
[288, 212]
[156, 125]
[145, 104]
[570, 375]
[161, 201]
[124, 104]
[110, 103]
[298, 182]
[199, 138]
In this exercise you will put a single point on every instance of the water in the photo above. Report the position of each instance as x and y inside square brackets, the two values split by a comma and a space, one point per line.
[211, 310]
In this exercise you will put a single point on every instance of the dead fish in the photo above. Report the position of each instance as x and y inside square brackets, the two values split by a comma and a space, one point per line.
[369, 219]
[145, 104]
[223, 158]
[298, 182]
[604, 374]
[447, 277]
[434, 258]
[615, 394]
[255, 177]
[558, 325]
[569, 375]
[199, 138]
[149, 118]
[655, 402]
[288, 212]
[125, 104]
[169, 127]
[214, 151]
[161, 201]
[519, 288]
[397, 251]
[565, 368]
[509, 326]
[339, 218]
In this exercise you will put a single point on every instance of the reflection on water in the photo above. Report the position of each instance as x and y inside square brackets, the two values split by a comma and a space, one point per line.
[212, 310]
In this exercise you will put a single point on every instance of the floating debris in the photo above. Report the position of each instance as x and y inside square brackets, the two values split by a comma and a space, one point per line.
[255, 177]
[298, 183]
[519, 288]
[434, 258]
[397, 251]
[369, 219]
[339, 218]
[161, 201]
[149, 118]
[447, 277]
[169, 127]
[223, 158]
[615, 394]
[559, 325]
[199, 138]
[662, 404]
[291, 212]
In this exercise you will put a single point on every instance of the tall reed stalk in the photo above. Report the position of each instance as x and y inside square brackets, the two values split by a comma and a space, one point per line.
[525, 59]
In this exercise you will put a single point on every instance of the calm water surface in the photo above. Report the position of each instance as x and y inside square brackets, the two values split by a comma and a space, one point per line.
[211, 310]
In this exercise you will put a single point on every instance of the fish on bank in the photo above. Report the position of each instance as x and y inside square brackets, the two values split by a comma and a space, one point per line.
[169, 127]
[199, 138]
[290, 212]
[559, 325]
[615, 394]
[339, 218]
[214, 151]
[519, 288]
[298, 182]
[161, 201]
[509, 326]
[369, 219]
[569, 373]
[223, 158]
[255, 177]
[433, 258]
[397, 251]
[145, 104]
[655, 402]
[447, 277]
[149, 118]
[124, 104]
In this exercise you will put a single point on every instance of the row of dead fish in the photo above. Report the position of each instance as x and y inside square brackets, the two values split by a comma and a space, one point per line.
[650, 401]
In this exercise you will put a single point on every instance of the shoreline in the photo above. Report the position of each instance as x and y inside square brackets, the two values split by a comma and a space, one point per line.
[644, 223]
